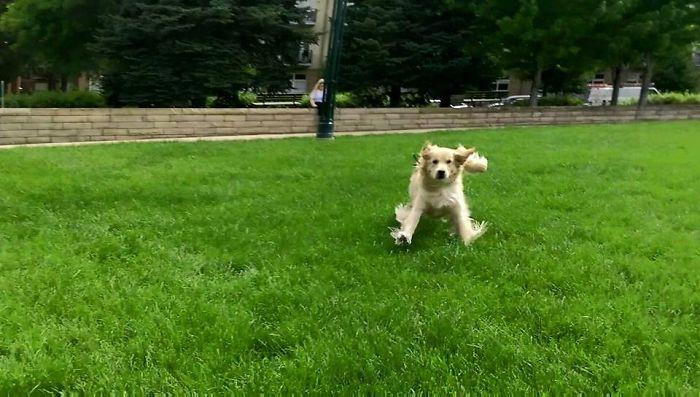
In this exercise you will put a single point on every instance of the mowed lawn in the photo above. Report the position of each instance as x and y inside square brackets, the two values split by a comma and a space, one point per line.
[267, 266]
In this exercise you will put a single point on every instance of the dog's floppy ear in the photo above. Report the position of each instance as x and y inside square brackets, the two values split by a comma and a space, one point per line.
[425, 151]
[462, 154]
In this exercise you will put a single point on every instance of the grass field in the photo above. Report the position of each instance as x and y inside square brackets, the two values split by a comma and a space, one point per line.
[268, 266]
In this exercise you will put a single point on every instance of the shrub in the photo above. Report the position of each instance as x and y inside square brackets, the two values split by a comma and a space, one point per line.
[345, 100]
[567, 100]
[668, 98]
[305, 101]
[247, 98]
[57, 99]
[243, 99]
[342, 100]
[371, 98]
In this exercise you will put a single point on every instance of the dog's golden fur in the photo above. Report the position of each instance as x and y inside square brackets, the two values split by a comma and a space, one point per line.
[436, 189]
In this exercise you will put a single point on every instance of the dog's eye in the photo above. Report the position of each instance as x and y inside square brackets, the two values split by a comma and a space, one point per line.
[449, 161]
[435, 161]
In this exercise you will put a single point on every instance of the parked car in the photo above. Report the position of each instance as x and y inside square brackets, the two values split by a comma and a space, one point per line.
[602, 95]
[511, 100]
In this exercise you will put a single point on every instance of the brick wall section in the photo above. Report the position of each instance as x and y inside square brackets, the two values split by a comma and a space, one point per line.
[21, 126]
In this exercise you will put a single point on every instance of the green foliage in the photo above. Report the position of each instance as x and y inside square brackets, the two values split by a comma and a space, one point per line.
[540, 36]
[342, 100]
[413, 44]
[241, 99]
[371, 97]
[54, 35]
[56, 99]
[266, 267]
[247, 98]
[567, 100]
[345, 100]
[677, 72]
[178, 53]
[305, 101]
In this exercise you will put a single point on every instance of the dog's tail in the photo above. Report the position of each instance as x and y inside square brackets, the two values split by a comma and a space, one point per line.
[476, 163]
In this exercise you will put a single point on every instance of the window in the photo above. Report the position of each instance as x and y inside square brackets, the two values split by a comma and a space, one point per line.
[305, 54]
[298, 84]
[501, 85]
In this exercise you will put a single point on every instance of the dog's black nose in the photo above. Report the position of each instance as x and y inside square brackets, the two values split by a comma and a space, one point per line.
[441, 174]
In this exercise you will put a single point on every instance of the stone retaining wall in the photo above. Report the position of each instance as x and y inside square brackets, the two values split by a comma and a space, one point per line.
[27, 126]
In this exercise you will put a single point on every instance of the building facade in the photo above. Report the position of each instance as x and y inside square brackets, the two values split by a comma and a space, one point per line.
[312, 57]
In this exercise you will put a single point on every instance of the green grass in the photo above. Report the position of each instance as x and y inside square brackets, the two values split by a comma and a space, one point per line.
[268, 266]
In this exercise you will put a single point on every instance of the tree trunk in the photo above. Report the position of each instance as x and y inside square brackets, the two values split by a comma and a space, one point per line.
[394, 96]
[617, 77]
[445, 100]
[64, 83]
[51, 82]
[536, 82]
[646, 80]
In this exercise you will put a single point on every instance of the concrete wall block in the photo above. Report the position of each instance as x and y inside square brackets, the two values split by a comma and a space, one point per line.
[179, 130]
[14, 112]
[18, 133]
[246, 124]
[234, 117]
[188, 118]
[76, 126]
[259, 117]
[68, 139]
[39, 139]
[12, 140]
[11, 127]
[146, 131]
[114, 131]
[165, 124]
[157, 117]
[19, 119]
[128, 118]
[134, 125]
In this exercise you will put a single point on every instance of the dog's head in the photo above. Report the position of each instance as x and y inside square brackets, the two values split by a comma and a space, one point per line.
[443, 164]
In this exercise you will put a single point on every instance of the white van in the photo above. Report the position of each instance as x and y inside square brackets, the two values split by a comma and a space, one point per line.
[602, 95]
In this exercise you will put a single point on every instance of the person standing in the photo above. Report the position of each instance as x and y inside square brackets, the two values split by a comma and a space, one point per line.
[316, 95]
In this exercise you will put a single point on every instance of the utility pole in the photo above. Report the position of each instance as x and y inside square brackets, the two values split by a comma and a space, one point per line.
[326, 120]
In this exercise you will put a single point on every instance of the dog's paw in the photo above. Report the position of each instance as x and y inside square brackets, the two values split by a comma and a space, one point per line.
[478, 229]
[400, 237]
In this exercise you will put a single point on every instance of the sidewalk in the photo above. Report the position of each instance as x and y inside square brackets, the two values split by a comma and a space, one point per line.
[228, 138]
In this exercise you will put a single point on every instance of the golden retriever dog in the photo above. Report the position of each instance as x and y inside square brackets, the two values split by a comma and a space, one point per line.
[436, 189]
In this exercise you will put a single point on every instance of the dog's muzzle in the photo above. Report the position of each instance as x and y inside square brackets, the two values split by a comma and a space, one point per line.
[440, 174]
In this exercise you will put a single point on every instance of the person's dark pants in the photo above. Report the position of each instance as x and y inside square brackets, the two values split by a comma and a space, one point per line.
[319, 108]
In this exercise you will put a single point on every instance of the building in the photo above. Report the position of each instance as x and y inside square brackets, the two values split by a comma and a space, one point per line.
[313, 57]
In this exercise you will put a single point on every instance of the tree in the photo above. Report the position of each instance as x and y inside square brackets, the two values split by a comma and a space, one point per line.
[55, 34]
[677, 72]
[9, 59]
[662, 28]
[433, 48]
[178, 52]
[539, 35]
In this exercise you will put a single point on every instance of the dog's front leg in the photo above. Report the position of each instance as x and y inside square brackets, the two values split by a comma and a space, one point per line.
[468, 229]
[408, 226]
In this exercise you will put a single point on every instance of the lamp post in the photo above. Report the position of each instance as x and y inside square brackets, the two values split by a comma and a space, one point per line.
[326, 120]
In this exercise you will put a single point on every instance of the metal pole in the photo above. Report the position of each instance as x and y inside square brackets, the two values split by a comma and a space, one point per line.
[326, 120]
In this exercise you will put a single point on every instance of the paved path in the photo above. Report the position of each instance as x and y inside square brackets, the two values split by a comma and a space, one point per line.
[227, 138]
